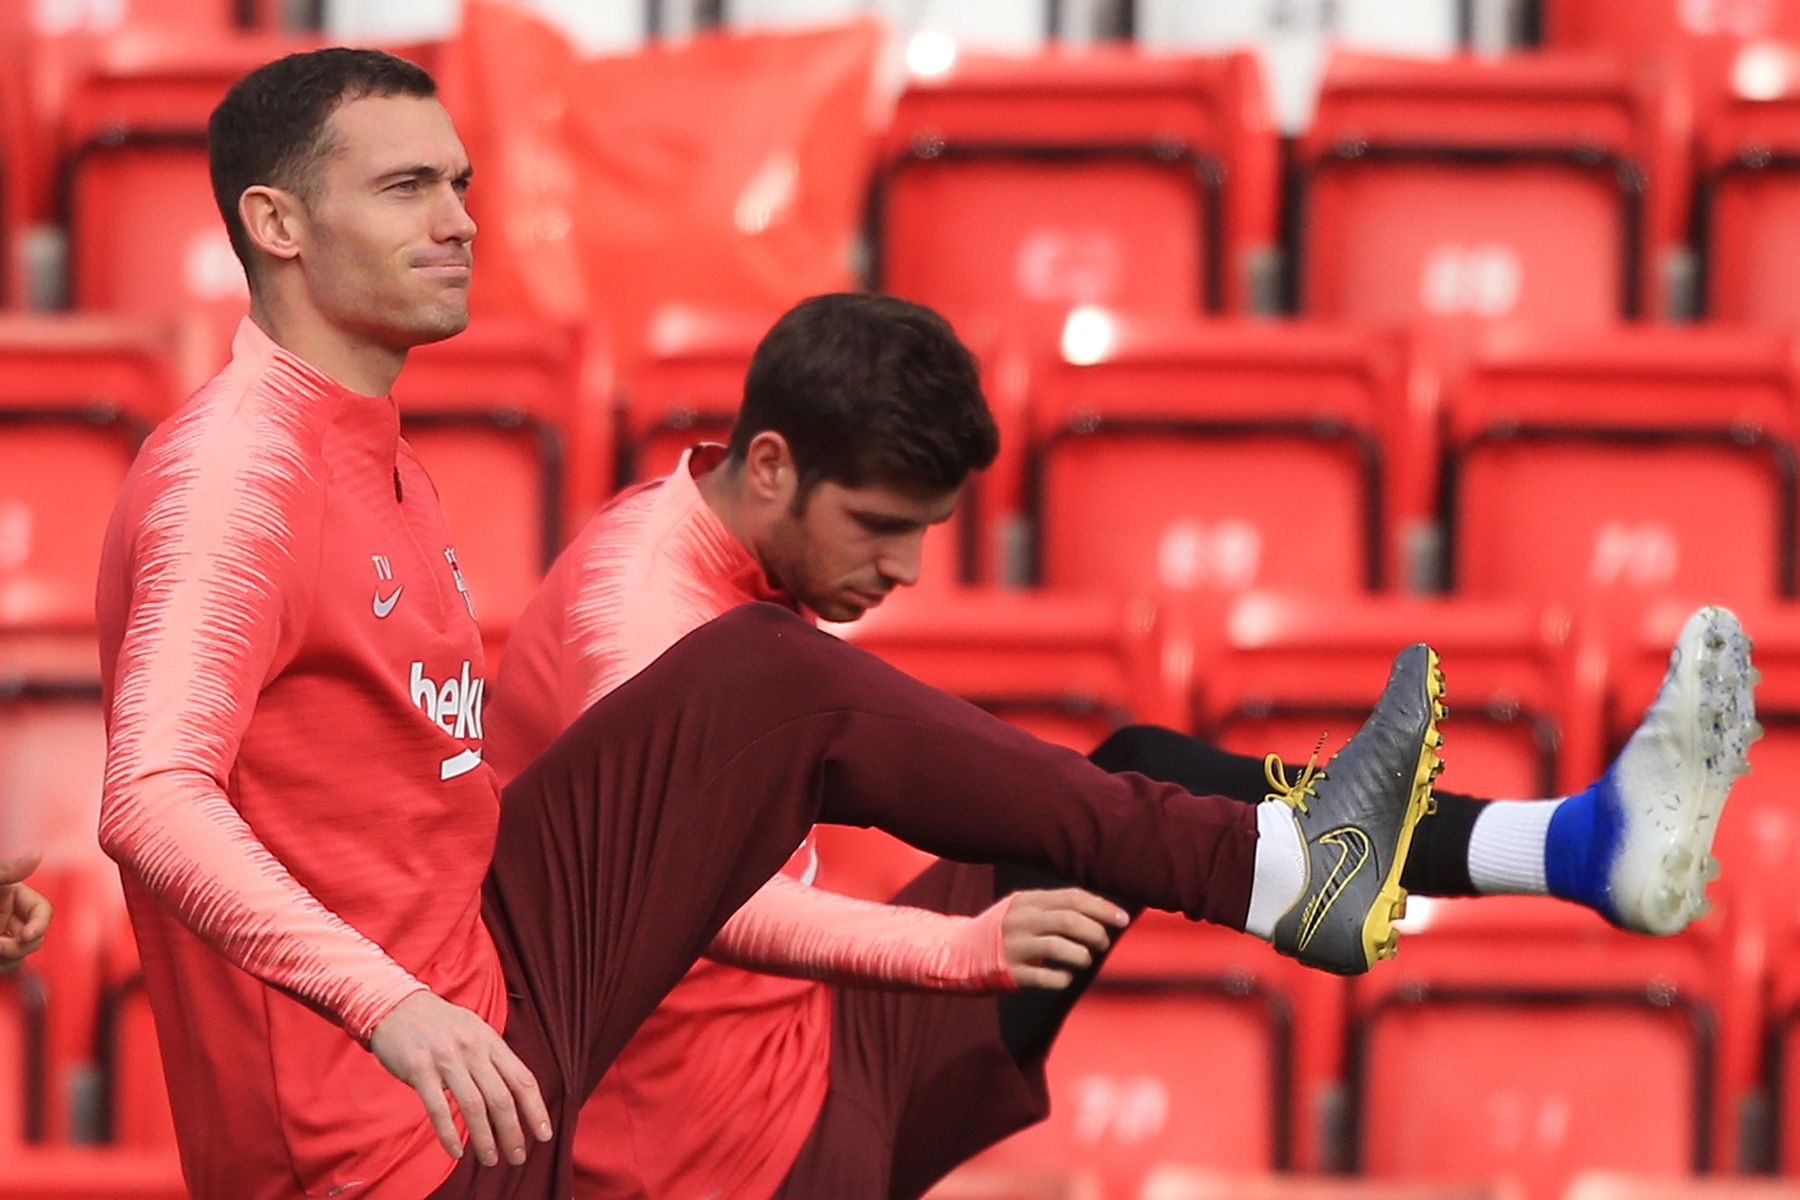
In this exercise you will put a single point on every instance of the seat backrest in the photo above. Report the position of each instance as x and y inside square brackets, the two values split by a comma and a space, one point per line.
[1631, 460]
[1747, 190]
[76, 398]
[1534, 186]
[1068, 668]
[1182, 1051]
[135, 132]
[1555, 1021]
[1188, 1183]
[502, 420]
[1705, 36]
[1192, 455]
[1272, 672]
[52, 757]
[22, 1005]
[1018, 188]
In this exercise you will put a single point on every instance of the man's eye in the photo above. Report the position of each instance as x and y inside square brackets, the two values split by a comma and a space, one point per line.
[406, 186]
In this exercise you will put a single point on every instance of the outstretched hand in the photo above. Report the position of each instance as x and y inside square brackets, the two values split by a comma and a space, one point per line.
[434, 1047]
[1050, 935]
[24, 913]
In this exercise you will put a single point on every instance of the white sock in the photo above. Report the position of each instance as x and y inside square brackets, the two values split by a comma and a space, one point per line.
[1506, 847]
[1280, 868]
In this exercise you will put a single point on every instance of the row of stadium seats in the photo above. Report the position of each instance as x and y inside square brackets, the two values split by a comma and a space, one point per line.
[113, 1175]
[1506, 1040]
[1564, 187]
[1136, 454]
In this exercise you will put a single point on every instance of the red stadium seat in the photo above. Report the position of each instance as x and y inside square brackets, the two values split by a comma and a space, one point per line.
[1531, 186]
[1069, 669]
[92, 1173]
[1631, 461]
[989, 1183]
[137, 1110]
[52, 755]
[22, 1092]
[1524, 1038]
[135, 135]
[1182, 455]
[686, 390]
[1705, 36]
[502, 415]
[1782, 1065]
[1185, 1183]
[1274, 671]
[88, 910]
[1620, 1186]
[1747, 194]
[1017, 188]
[76, 398]
[1183, 1052]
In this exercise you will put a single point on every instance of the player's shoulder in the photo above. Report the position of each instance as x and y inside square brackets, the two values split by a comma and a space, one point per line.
[236, 453]
[242, 421]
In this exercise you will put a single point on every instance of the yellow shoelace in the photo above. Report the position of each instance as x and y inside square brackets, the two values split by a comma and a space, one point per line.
[1296, 792]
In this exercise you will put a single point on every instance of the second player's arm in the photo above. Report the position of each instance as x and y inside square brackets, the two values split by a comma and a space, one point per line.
[1027, 939]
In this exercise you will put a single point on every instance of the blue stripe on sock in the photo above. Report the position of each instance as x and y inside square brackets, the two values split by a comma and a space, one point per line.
[1581, 843]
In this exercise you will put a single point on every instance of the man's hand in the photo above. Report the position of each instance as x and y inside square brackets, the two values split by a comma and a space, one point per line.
[433, 1046]
[1049, 935]
[24, 913]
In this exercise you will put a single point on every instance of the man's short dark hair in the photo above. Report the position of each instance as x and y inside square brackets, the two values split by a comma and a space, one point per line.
[868, 390]
[270, 128]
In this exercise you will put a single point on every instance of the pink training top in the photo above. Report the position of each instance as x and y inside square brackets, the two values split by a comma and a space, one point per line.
[691, 1106]
[295, 790]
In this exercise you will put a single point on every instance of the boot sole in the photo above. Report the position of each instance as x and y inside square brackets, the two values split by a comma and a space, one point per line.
[1378, 937]
[1671, 891]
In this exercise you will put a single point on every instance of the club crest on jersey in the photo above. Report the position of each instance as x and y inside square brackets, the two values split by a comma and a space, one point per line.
[456, 574]
[454, 706]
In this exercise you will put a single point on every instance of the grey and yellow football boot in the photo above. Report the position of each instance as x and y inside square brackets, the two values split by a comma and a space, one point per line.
[1356, 817]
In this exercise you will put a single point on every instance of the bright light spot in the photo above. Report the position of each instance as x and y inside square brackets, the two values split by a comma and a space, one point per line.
[1760, 72]
[769, 193]
[930, 52]
[1087, 336]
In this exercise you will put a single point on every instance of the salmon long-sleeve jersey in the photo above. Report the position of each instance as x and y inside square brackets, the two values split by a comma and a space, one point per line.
[295, 787]
[719, 1088]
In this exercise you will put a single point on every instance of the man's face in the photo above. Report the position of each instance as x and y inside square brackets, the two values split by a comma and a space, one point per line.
[386, 248]
[847, 548]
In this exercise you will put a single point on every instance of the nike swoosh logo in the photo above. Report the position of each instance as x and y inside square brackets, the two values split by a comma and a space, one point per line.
[384, 607]
[1354, 851]
[812, 866]
[461, 764]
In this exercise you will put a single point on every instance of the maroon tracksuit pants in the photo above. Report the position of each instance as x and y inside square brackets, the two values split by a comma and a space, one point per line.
[629, 842]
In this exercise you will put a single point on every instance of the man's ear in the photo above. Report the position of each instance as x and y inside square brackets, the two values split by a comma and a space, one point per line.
[273, 219]
[769, 469]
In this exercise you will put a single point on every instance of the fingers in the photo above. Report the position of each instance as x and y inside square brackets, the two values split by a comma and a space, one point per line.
[473, 1106]
[1046, 979]
[518, 1078]
[1096, 908]
[501, 1114]
[431, 1091]
[15, 870]
[14, 951]
[31, 912]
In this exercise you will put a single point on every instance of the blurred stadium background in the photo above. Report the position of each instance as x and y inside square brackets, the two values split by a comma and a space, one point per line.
[1313, 326]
